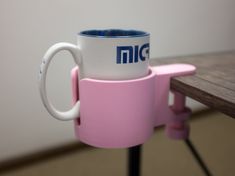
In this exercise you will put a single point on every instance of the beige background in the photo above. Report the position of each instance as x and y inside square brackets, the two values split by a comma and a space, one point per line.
[29, 27]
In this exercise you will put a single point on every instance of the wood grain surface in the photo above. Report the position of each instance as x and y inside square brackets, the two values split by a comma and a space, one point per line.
[214, 81]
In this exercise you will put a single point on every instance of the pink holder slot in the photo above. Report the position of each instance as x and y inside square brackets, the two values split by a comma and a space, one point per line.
[120, 114]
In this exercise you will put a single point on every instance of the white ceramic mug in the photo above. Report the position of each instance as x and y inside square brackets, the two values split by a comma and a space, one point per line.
[112, 54]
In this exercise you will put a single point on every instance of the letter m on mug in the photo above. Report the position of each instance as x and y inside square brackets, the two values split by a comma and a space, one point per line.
[132, 54]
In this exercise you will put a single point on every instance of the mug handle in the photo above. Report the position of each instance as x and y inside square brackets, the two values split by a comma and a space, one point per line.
[51, 52]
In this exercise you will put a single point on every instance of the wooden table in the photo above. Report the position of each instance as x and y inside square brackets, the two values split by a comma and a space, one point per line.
[213, 85]
[214, 81]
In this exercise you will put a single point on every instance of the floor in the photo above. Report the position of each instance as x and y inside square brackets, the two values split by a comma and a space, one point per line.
[212, 134]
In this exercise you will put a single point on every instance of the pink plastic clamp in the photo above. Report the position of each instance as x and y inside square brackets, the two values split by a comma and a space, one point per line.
[173, 117]
[118, 114]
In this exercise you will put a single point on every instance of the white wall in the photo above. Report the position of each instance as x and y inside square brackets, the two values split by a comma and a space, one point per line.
[29, 27]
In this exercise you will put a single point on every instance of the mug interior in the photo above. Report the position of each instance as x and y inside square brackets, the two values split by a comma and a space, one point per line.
[111, 33]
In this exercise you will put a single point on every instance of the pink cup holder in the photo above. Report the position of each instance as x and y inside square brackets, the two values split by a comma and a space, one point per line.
[120, 114]
[116, 114]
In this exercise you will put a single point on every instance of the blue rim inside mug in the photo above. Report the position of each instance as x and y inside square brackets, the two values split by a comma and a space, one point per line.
[113, 33]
